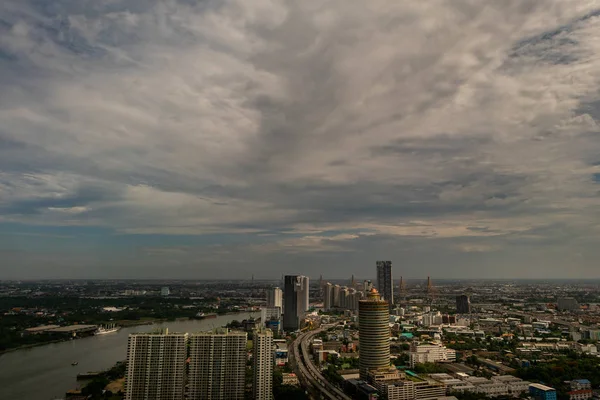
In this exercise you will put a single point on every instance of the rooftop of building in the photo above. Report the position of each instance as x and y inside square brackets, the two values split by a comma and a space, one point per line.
[539, 386]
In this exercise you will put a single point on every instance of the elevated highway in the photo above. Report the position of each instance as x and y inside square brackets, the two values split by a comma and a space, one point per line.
[310, 373]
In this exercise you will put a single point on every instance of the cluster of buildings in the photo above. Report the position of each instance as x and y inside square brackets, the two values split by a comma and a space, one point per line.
[213, 364]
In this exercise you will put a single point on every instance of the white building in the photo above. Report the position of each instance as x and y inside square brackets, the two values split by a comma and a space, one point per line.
[275, 298]
[262, 353]
[433, 352]
[156, 366]
[217, 365]
[410, 390]
[164, 291]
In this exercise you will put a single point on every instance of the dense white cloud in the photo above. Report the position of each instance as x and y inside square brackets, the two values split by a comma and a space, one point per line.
[306, 128]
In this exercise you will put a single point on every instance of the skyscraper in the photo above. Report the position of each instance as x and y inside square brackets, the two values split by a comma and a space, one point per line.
[385, 284]
[275, 297]
[217, 365]
[262, 354]
[336, 295]
[463, 304]
[374, 334]
[306, 293]
[295, 293]
[156, 366]
[328, 296]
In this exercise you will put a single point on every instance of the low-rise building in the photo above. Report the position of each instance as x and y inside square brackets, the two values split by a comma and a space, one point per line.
[581, 389]
[542, 392]
[430, 352]
[290, 379]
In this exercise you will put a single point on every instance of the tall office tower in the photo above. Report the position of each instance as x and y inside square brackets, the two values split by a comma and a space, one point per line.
[385, 284]
[328, 297]
[262, 354]
[306, 293]
[217, 365]
[374, 334]
[367, 286]
[336, 295]
[156, 366]
[295, 293]
[275, 297]
[463, 304]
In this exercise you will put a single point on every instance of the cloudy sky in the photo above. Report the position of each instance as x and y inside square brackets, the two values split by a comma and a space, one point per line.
[221, 138]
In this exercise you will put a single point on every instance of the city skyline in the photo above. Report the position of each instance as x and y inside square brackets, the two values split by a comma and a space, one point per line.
[144, 139]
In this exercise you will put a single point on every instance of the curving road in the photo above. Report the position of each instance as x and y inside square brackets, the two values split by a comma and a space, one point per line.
[310, 373]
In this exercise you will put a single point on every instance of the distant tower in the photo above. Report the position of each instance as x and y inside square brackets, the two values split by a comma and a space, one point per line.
[385, 284]
[275, 297]
[402, 288]
[352, 282]
[374, 333]
[430, 291]
[295, 301]
[463, 304]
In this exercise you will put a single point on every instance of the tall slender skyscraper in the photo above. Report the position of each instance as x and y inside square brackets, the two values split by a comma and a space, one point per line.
[262, 354]
[374, 334]
[305, 293]
[217, 365]
[156, 366]
[328, 296]
[275, 297]
[295, 296]
[385, 284]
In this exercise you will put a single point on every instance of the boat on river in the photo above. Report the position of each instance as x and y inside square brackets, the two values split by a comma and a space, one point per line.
[103, 330]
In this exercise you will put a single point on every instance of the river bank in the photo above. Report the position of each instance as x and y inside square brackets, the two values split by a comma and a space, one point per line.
[45, 372]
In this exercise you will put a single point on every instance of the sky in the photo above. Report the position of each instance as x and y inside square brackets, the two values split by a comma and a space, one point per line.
[220, 139]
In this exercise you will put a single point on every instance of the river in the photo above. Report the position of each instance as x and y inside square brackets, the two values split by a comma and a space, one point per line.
[45, 372]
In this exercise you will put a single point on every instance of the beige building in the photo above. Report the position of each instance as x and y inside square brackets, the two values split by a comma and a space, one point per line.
[262, 354]
[217, 365]
[374, 334]
[413, 390]
[156, 366]
[432, 352]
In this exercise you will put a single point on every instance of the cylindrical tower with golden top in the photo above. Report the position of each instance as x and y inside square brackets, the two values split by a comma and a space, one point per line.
[374, 333]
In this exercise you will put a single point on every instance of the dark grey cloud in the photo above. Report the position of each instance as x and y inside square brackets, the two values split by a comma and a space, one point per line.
[450, 132]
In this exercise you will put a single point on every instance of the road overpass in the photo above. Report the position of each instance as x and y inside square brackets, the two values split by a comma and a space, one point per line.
[310, 373]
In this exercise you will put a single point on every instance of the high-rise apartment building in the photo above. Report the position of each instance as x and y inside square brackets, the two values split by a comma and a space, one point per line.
[374, 334]
[328, 296]
[463, 304]
[336, 295]
[385, 284]
[217, 365]
[156, 366]
[305, 293]
[275, 298]
[295, 293]
[262, 354]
